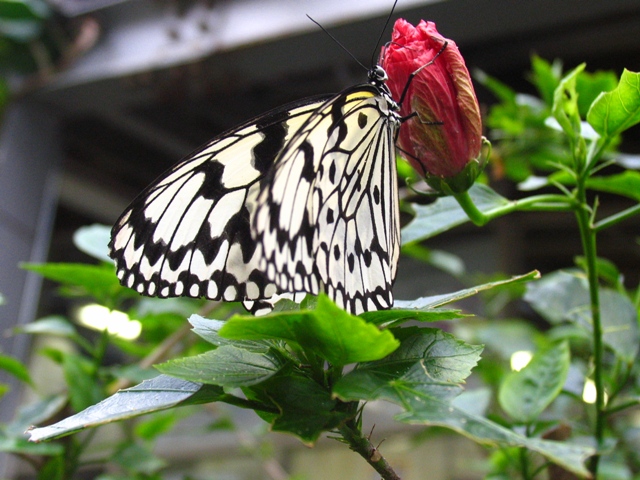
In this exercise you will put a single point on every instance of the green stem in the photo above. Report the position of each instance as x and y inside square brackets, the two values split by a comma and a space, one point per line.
[617, 218]
[363, 446]
[623, 406]
[524, 463]
[540, 203]
[588, 237]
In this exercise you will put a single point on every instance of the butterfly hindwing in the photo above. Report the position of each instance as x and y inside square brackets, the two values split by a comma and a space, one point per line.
[327, 218]
[189, 233]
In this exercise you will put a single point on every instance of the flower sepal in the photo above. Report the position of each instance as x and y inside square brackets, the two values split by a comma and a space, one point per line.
[464, 180]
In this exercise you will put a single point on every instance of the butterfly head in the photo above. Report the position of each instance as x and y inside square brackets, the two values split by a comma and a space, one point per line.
[378, 75]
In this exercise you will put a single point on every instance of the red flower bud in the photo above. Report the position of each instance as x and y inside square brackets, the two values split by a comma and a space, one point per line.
[444, 140]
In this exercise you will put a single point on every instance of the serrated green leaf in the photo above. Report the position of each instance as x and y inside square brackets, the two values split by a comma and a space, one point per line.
[525, 394]
[227, 365]
[306, 408]
[613, 112]
[428, 361]
[16, 368]
[153, 395]
[564, 296]
[434, 412]
[329, 331]
[445, 213]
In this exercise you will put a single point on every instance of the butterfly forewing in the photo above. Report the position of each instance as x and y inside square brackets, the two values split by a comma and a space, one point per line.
[327, 218]
[189, 233]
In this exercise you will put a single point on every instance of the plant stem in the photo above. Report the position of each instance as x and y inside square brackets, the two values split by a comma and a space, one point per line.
[362, 446]
[524, 464]
[542, 203]
[588, 237]
[617, 218]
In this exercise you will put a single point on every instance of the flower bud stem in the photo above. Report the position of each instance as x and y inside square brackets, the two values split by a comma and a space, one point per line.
[536, 203]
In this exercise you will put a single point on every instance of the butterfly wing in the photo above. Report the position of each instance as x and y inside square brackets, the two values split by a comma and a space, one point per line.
[189, 233]
[328, 216]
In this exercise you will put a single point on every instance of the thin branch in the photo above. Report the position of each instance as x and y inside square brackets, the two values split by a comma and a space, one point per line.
[363, 447]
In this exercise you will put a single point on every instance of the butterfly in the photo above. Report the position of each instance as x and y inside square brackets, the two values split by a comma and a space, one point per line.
[302, 199]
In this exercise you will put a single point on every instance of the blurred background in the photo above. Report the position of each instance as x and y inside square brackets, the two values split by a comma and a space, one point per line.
[101, 96]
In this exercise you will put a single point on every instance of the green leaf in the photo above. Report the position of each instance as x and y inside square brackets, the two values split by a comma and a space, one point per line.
[434, 412]
[502, 91]
[24, 10]
[157, 424]
[445, 261]
[15, 368]
[20, 446]
[228, 366]
[565, 104]
[425, 303]
[391, 317]
[53, 469]
[94, 241]
[208, 330]
[97, 281]
[80, 376]
[564, 296]
[590, 85]
[525, 394]
[428, 361]
[502, 337]
[615, 111]
[138, 459]
[34, 413]
[54, 325]
[445, 213]
[153, 395]
[546, 77]
[626, 183]
[607, 270]
[306, 408]
[328, 331]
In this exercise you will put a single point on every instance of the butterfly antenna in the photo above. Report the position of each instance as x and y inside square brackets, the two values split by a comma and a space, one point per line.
[386, 24]
[338, 42]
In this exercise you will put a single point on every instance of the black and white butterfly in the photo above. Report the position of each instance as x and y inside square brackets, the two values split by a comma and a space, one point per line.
[303, 198]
